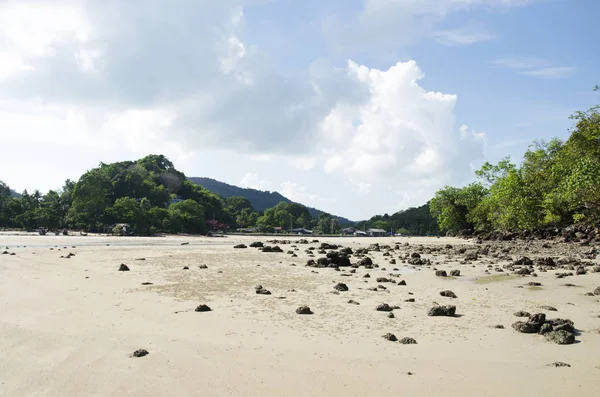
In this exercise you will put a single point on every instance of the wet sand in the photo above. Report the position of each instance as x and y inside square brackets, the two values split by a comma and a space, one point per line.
[69, 326]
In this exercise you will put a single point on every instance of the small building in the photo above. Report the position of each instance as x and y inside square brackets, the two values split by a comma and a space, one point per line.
[360, 233]
[301, 230]
[348, 231]
[376, 232]
[278, 229]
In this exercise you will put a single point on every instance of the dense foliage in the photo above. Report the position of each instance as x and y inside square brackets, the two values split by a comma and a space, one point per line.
[557, 183]
[411, 222]
[260, 200]
[151, 196]
[138, 193]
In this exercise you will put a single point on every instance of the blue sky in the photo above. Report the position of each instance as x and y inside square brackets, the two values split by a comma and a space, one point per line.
[356, 107]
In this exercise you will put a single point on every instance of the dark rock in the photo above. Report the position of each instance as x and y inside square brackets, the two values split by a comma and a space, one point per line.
[367, 275]
[523, 261]
[261, 291]
[123, 268]
[384, 280]
[341, 287]
[147, 283]
[448, 294]
[186, 268]
[524, 271]
[499, 326]
[441, 273]
[203, 267]
[203, 308]
[545, 328]
[304, 310]
[257, 244]
[455, 273]
[560, 324]
[597, 291]
[240, 246]
[366, 262]
[549, 308]
[471, 256]
[390, 337]
[140, 353]
[408, 341]
[268, 248]
[402, 282]
[560, 364]
[524, 327]
[325, 246]
[521, 313]
[537, 320]
[448, 311]
[352, 302]
[384, 307]
[534, 284]
[391, 315]
[560, 337]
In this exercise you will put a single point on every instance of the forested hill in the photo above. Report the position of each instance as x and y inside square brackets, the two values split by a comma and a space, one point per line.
[413, 221]
[260, 200]
[14, 194]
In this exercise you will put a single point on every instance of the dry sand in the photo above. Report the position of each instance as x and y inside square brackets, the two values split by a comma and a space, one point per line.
[69, 326]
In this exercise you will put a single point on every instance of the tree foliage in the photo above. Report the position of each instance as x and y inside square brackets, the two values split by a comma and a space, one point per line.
[557, 183]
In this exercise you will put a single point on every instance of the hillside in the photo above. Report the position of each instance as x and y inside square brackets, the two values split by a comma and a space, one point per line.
[415, 221]
[14, 194]
[260, 200]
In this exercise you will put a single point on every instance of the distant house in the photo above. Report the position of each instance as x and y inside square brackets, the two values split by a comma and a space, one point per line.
[301, 230]
[360, 233]
[278, 229]
[217, 226]
[376, 232]
[348, 231]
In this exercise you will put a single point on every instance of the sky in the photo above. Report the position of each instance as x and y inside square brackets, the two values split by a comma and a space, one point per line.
[355, 107]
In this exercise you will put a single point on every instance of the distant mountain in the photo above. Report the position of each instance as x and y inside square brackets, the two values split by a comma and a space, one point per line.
[14, 194]
[260, 200]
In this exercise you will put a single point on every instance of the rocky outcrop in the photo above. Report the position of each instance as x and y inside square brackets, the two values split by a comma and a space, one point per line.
[448, 311]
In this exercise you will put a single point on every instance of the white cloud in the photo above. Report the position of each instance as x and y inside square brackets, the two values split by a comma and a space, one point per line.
[465, 35]
[252, 181]
[110, 80]
[534, 67]
[406, 134]
[551, 73]
[298, 193]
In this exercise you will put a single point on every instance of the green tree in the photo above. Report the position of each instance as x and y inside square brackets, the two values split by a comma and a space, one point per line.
[451, 206]
[187, 216]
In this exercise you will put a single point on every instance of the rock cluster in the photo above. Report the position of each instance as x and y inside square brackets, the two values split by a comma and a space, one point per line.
[448, 311]
[560, 331]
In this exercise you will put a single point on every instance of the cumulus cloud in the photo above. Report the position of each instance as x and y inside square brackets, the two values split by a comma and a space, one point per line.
[182, 77]
[400, 132]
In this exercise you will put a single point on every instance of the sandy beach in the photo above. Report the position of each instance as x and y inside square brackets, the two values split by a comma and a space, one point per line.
[69, 326]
